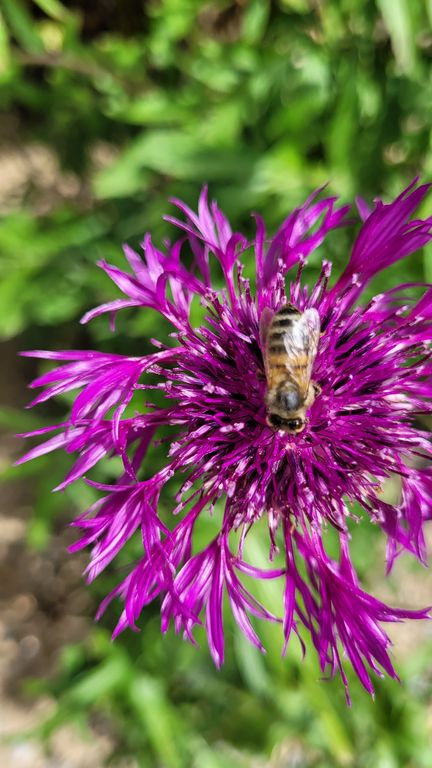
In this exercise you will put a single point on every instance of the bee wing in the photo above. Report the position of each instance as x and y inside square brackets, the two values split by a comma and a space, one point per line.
[265, 322]
[301, 343]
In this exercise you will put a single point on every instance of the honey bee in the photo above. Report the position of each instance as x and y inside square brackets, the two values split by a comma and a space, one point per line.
[289, 340]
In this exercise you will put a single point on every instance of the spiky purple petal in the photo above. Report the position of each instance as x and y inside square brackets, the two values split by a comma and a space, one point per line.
[374, 369]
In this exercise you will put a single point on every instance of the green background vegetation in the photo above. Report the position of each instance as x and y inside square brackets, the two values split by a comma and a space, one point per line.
[109, 108]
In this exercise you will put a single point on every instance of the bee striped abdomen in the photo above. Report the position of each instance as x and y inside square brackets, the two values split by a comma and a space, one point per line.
[284, 318]
[276, 348]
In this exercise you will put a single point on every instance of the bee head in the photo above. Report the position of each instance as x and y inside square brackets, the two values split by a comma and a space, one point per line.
[295, 425]
[292, 426]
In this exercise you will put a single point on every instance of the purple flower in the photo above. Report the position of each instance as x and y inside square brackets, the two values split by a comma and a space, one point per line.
[373, 368]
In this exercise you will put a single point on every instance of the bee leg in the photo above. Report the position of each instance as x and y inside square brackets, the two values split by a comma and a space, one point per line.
[316, 388]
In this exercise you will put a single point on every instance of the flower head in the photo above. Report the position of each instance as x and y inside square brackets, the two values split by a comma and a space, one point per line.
[373, 372]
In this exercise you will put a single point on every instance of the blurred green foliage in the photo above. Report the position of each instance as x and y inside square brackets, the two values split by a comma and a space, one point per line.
[109, 108]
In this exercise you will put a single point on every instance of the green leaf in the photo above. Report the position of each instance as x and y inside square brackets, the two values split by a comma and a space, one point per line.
[427, 262]
[255, 20]
[159, 720]
[4, 47]
[22, 25]
[398, 20]
[105, 679]
[53, 8]
[251, 664]
[16, 420]
[173, 153]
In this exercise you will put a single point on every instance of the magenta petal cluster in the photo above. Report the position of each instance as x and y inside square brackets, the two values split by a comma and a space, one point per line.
[373, 368]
